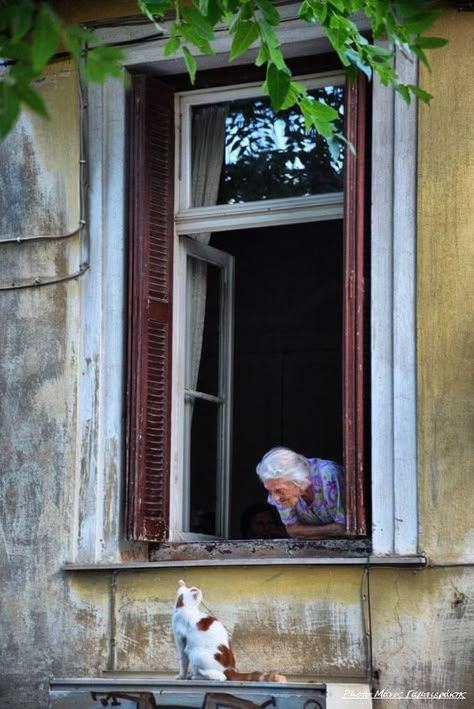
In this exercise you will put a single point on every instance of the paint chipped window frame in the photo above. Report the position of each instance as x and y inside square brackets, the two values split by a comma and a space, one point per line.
[158, 500]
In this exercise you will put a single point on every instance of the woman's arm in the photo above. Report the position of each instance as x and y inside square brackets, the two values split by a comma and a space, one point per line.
[314, 532]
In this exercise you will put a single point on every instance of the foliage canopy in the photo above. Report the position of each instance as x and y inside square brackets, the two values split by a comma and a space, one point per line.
[31, 33]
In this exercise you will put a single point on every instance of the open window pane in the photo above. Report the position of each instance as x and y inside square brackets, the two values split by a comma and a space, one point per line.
[269, 155]
[203, 422]
[203, 327]
[207, 337]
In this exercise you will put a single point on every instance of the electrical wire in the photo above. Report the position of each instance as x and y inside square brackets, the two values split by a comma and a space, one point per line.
[61, 56]
[367, 622]
[47, 281]
[82, 229]
[42, 237]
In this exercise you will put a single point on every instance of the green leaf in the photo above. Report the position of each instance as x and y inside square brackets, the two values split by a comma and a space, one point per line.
[377, 50]
[103, 61]
[316, 112]
[154, 7]
[334, 146]
[262, 56]
[339, 4]
[189, 33]
[357, 60]
[74, 37]
[21, 52]
[404, 92]
[171, 46]
[45, 37]
[420, 93]
[306, 12]
[421, 56]
[420, 23]
[20, 14]
[269, 35]
[32, 99]
[191, 65]
[295, 94]
[144, 7]
[278, 85]
[198, 22]
[276, 57]
[431, 42]
[247, 33]
[215, 12]
[324, 111]
[269, 12]
[9, 108]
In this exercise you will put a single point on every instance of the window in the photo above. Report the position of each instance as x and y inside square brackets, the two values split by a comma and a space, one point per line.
[264, 199]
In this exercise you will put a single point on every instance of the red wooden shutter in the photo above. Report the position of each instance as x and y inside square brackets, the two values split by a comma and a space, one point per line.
[149, 311]
[354, 306]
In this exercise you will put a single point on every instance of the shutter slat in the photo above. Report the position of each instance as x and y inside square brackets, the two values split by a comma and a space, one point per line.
[150, 314]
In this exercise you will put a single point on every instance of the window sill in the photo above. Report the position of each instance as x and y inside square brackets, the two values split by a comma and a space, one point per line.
[346, 552]
[260, 550]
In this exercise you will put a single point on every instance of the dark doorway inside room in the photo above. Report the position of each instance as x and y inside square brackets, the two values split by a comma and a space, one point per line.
[287, 351]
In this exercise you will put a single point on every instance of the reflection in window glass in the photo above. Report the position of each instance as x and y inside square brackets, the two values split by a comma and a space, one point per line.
[203, 315]
[270, 155]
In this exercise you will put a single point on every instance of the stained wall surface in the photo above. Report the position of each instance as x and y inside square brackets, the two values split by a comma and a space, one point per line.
[43, 620]
[445, 297]
[305, 621]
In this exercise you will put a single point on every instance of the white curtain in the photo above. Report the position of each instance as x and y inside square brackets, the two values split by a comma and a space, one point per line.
[207, 156]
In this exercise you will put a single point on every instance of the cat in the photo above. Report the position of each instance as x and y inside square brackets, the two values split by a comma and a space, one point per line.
[203, 643]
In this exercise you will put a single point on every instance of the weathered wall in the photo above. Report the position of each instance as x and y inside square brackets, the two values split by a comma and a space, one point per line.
[283, 618]
[445, 296]
[310, 623]
[38, 379]
[304, 621]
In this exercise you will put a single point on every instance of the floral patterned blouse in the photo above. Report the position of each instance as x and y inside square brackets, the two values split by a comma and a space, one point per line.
[328, 502]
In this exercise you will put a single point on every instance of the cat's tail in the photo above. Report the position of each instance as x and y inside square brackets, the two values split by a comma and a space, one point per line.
[254, 676]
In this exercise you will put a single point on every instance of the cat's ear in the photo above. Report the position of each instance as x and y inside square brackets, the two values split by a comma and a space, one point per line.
[196, 594]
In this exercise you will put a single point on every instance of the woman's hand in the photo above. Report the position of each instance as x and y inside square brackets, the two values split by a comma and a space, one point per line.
[322, 531]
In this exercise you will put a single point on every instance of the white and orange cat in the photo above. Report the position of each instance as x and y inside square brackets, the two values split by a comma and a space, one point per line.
[203, 643]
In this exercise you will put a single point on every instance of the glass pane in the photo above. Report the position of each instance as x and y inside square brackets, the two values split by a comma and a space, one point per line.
[203, 418]
[202, 327]
[266, 155]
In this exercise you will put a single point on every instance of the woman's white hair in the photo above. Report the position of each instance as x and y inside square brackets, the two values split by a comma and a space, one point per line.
[285, 464]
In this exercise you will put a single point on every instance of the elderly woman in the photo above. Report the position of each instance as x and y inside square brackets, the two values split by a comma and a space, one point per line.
[307, 492]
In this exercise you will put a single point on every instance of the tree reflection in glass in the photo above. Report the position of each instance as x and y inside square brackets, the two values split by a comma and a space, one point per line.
[271, 156]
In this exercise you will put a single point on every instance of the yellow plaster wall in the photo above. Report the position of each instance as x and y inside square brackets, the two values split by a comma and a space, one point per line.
[446, 295]
[306, 622]
[422, 629]
[302, 621]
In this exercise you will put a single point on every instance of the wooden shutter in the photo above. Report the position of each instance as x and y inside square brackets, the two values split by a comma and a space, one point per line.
[354, 307]
[150, 308]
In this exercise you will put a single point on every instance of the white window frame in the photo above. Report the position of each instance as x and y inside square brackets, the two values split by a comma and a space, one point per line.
[225, 262]
[99, 467]
[222, 217]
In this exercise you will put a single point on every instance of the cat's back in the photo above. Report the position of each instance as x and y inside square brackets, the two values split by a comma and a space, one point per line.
[206, 631]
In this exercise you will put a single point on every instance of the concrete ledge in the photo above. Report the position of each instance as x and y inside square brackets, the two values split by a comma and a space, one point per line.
[417, 561]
